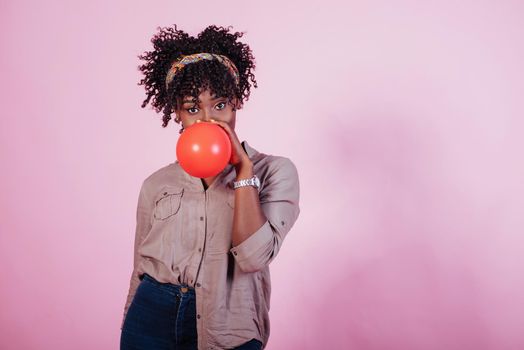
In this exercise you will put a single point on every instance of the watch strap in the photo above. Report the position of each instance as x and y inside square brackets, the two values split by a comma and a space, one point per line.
[253, 181]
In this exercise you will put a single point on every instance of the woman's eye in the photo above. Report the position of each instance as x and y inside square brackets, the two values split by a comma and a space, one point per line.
[190, 110]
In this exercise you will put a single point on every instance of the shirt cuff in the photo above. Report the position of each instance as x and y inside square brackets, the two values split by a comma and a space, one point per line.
[250, 253]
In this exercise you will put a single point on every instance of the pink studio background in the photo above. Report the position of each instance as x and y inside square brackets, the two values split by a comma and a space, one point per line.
[404, 116]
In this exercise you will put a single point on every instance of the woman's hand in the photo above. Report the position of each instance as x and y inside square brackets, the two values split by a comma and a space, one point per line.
[238, 156]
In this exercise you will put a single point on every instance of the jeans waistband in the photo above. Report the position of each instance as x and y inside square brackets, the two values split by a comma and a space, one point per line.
[174, 288]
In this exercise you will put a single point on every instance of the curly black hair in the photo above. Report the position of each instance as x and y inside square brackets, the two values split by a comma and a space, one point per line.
[171, 44]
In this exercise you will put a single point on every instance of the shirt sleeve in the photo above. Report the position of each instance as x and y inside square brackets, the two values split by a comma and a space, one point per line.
[279, 199]
[143, 225]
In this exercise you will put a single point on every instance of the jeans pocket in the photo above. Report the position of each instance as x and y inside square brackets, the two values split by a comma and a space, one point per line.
[148, 323]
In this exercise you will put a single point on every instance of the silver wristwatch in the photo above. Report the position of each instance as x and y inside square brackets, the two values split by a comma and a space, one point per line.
[254, 181]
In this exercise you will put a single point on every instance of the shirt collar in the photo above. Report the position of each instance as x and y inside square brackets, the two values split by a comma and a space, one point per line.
[251, 152]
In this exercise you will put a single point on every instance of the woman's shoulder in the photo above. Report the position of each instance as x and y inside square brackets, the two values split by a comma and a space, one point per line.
[271, 162]
[276, 166]
[164, 176]
[276, 161]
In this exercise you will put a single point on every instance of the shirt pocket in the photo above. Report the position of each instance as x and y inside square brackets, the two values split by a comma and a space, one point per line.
[168, 203]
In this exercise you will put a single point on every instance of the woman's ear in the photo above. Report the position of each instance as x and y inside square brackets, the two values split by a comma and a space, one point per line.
[176, 106]
[236, 104]
[176, 113]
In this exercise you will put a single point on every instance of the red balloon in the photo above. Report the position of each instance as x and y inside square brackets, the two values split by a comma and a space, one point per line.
[203, 149]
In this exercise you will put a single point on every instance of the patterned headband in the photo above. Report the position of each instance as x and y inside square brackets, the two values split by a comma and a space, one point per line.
[179, 64]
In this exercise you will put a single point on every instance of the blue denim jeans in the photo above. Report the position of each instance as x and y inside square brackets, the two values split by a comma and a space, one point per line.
[163, 316]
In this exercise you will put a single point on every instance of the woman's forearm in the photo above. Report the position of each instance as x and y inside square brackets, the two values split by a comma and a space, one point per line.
[248, 216]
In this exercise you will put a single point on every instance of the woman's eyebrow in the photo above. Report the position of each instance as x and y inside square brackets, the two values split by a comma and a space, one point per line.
[190, 101]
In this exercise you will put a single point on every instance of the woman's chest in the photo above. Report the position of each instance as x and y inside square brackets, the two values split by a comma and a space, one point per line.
[188, 220]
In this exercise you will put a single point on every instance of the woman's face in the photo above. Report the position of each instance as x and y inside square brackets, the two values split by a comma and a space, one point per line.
[208, 107]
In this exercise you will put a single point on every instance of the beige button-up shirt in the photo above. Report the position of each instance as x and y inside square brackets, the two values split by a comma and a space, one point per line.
[183, 235]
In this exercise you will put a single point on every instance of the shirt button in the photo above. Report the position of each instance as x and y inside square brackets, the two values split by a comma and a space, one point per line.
[199, 249]
[198, 316]
[201, 218]
[191, 281]
[198, 284]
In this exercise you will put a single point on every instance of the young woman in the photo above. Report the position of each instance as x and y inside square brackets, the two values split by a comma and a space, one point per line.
[203, 246]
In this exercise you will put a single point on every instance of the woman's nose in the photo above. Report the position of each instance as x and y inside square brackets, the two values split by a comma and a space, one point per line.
[207, 116]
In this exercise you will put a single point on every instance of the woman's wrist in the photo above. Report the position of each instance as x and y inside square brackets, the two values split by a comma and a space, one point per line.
[244, 169]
